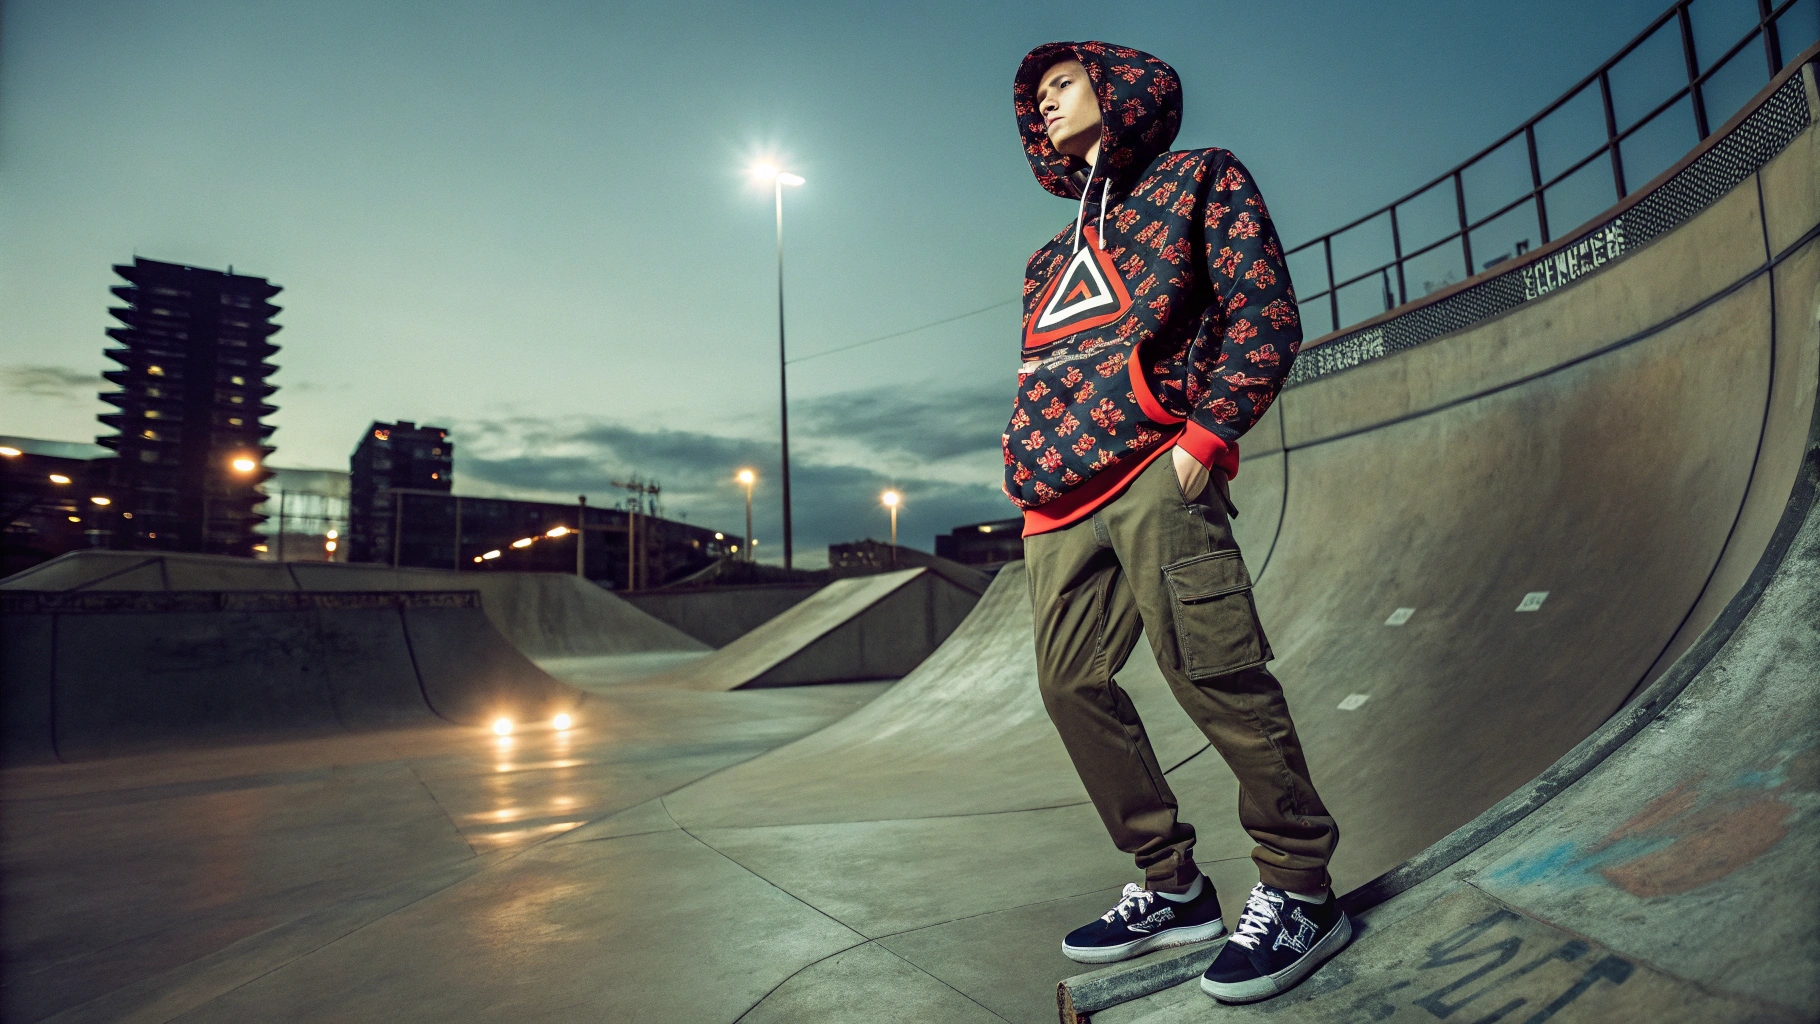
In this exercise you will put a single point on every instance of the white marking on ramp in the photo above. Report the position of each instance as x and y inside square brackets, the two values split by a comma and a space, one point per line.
[1532, 601]
[1355, 701]
[1397, 618]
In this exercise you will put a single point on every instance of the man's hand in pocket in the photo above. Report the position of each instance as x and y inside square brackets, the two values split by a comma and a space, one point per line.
[1189, 473]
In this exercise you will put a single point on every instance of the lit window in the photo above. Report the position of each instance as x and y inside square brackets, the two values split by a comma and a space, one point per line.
[148, 456]
[152, 414]
[383, 435]
[155, 371]
[435, 451]
[435, 476]
[149, 435]
[236, 399]
[237, 380]
[236, 421]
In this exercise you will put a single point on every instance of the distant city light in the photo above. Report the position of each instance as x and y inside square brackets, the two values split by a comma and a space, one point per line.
[562, 721]
[8, 451]
[502, 726]
[99, 500]
[59, 478]
[333, 534]
[329, 546]
[720, 536]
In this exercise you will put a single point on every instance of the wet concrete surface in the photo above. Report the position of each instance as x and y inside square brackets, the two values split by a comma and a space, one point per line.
[142, 887]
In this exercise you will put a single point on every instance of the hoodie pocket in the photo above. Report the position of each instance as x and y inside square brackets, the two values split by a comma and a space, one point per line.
[1216, 622]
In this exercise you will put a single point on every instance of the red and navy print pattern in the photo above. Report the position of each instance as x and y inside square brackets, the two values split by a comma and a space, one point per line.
[1209, 326]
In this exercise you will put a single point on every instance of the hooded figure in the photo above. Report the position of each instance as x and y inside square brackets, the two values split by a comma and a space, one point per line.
[1162, 315]
[1160, 320]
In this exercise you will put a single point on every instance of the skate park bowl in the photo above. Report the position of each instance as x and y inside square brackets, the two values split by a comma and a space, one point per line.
[1539, 559]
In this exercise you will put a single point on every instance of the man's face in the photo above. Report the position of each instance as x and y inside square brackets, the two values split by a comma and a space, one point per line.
[1070, 112]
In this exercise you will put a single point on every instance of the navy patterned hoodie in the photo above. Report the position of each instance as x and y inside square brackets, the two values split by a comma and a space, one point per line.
[1161, 315]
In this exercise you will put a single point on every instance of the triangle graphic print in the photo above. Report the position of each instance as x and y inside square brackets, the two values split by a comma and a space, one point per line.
[1087, 293]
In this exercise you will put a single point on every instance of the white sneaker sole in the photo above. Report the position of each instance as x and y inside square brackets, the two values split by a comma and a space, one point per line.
[1186, 936]
[1287, 978]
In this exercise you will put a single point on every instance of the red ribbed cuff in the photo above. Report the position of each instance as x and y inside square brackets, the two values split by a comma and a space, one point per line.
[1209, 449]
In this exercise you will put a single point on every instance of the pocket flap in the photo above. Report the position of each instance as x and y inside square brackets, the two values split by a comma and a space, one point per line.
[1206, 576]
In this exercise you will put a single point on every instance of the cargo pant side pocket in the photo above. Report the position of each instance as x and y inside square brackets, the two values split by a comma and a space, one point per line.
[1216, 622]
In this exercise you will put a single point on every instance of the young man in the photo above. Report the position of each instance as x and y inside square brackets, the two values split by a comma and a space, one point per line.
[1158, 326]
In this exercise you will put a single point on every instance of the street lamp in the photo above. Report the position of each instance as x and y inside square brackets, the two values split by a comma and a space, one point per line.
[778, 179]
[892, 500]
[748, 478]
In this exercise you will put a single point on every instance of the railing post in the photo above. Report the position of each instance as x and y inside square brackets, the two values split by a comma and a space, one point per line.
[1772, 40]
[1396, 247]
[1691, 58]
[1333, 294]
[1535, 181]
[1459, 202]
[1611, 135]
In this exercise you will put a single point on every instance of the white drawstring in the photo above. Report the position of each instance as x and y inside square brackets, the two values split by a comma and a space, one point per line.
[1082, 211]
[1105, 190]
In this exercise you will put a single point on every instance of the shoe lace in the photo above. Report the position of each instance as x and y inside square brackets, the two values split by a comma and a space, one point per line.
[1137, 899]
[1254, 923]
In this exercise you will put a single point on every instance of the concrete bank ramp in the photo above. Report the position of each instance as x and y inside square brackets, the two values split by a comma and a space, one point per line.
[545, 615]
[866, 627]
[88, 673]
[1482, 526]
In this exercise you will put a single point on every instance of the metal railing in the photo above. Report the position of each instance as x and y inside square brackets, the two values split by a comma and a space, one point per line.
[1768, 17]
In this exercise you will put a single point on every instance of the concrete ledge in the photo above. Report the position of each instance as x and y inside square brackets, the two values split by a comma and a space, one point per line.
[1084, 994]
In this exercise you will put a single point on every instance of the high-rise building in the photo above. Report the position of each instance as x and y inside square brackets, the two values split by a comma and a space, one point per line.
[392, 461]
[190, 435]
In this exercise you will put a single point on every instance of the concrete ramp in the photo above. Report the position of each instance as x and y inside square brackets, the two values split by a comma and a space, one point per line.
[1482, 526]
[867, 627]
[545, 615]
[92, 673]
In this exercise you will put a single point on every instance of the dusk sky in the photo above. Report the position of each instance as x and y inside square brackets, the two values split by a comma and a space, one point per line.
[528, 222]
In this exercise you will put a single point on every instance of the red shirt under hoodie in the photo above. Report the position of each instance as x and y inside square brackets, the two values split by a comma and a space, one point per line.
[1161, 316]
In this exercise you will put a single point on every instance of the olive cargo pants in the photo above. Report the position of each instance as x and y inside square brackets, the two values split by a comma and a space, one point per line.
[1150, 561]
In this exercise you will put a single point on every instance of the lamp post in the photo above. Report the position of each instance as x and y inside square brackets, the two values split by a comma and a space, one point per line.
[748, 478]
[779, 179]
[892, 499]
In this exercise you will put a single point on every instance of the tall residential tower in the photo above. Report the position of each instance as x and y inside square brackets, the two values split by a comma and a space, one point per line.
[190, 436]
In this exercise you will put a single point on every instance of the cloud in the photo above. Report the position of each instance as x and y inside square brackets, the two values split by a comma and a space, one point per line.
[916, 421]
[831, 500]
[57, 382]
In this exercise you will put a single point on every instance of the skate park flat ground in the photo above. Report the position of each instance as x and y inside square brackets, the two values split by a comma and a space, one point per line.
[143, 887]
[1543, 597]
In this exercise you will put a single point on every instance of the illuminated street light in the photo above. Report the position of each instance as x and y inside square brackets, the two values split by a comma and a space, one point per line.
[244, 465]
[523, 542]
[489, 555]
[892, 500]
[779, 178]
[748, 478]
[560, 531]
[9, 452]
[99, 500]
[502, 726]
[59, 478]
[562, 721]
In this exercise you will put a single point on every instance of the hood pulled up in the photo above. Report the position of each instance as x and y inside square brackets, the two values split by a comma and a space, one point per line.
[1140, 101]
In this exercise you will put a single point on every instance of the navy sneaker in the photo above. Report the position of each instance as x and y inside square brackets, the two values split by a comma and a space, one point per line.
[1144, 921]
[1280, 940]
